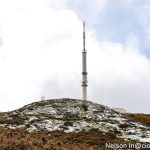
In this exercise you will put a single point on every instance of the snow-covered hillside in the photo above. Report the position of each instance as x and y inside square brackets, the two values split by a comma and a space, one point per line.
[70, 115]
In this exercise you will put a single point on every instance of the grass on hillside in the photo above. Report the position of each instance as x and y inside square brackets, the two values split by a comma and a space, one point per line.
[142, 118]
[20, 139]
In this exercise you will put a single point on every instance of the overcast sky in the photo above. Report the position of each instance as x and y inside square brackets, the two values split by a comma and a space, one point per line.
[41, 45]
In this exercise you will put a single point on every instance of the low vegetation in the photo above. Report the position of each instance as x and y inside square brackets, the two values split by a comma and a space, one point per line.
[142, 118]
[20, 139]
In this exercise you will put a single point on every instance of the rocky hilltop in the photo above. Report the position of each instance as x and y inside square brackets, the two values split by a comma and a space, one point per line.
[74, 116]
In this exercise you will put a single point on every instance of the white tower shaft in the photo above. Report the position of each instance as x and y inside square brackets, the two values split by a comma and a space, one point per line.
[84, 68]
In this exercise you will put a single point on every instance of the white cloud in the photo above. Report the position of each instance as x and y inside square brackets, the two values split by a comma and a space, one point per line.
[41, 55]
[35, 40]
[57, 4]
[121, 77]
[88, 11]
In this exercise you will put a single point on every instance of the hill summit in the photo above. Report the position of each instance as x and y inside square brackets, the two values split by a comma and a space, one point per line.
[74, 116]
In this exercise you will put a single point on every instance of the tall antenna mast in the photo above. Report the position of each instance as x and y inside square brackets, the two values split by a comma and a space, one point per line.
[84, 68]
